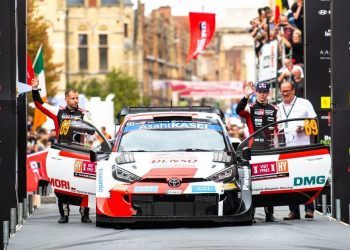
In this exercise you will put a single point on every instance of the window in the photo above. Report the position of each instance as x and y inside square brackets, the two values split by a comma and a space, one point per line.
[83, 52]
[125, 30]
[75, 2]
[109, 2]
[103, 52]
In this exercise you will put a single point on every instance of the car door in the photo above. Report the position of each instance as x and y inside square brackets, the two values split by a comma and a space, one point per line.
[288, 164]
[69, 168]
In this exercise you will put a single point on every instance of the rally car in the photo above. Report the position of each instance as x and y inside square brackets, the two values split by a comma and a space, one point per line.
[177, 164]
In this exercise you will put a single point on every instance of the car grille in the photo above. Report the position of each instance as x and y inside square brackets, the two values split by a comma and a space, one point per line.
[175, 205]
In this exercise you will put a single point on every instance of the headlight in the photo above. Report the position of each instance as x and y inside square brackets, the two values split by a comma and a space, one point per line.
[121, 174]
[224, 175]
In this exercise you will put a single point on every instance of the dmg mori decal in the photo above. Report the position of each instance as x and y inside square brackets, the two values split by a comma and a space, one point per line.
[309, 180]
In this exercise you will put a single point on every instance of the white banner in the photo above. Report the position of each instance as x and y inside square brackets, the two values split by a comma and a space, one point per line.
[268, 61]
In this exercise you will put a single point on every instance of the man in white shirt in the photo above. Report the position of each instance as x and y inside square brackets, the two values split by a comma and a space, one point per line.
[295, 107]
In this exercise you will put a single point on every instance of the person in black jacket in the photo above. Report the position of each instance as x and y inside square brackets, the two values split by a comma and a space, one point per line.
[58, 114]
[257, 115]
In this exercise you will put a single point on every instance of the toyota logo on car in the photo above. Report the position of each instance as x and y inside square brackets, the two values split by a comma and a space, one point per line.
[174, 182]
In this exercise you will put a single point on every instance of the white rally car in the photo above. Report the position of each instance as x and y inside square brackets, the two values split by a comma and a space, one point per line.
[177, 164]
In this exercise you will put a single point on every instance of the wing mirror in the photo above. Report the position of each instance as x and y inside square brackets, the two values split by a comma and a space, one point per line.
[247, 154]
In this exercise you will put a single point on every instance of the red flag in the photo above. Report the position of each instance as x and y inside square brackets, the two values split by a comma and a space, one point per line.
[30, 71]
[202, 30]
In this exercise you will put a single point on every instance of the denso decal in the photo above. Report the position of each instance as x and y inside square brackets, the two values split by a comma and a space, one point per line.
[85, 169]
[60, 183]
[309, 180]
[174, 160]
[146, 189]
[203, 189]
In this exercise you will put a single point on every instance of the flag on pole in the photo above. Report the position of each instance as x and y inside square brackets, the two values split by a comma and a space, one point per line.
[30, 71]
[39, 117]
[281, 7]
[202, 27]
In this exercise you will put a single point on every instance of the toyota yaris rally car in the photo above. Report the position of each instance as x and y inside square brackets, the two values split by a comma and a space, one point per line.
[177, 164]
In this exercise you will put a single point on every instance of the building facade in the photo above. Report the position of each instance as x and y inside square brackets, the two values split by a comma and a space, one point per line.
[91, 37]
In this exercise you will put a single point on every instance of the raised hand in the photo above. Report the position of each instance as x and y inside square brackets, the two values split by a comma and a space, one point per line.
[35, 83]
[249, 89]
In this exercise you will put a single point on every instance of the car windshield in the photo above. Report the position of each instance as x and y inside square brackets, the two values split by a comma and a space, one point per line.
[172, 136]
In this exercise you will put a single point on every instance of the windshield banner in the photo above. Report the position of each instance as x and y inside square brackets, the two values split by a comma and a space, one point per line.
[141, 125]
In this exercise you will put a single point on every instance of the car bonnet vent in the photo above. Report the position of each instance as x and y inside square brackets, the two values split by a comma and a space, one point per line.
[221, 157]
[125, 157]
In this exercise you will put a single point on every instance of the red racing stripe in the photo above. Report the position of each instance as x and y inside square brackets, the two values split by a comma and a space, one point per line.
[305, 153]
[74, 155]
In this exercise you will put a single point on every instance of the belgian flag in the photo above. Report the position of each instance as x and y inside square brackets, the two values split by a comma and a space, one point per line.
[281, 6]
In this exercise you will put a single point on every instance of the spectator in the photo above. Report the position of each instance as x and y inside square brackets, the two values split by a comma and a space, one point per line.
[295, 107]
[234, 133]
[298, 14]
[297, 47]
[298, 82]
[286, 74]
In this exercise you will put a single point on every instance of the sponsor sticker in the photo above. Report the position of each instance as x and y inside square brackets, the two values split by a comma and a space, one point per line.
[203, 189]
[175, 160]
[268, 170]
[146, 189]
[85, 169]
[171, 125]
[174, 191]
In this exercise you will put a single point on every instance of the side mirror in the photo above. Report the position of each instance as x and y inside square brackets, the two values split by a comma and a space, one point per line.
[93, 155]
[247, 154]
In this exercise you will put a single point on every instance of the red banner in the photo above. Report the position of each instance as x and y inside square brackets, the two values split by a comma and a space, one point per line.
[202, 30]
[30, 71]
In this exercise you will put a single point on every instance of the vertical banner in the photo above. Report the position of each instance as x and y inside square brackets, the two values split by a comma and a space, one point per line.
[317, 36]
[202, 28]
[268, 61]
[340, 46]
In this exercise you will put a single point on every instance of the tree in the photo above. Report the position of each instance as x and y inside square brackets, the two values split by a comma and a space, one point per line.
[37, 35]
[124, 87]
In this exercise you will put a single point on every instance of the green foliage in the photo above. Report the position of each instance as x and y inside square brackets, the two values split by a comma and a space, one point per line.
[124, 87]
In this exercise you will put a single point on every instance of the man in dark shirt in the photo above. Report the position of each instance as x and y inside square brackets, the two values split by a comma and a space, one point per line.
[71, 110]
[257, 115]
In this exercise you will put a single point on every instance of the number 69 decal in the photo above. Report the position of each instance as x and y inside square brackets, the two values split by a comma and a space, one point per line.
[65, 127]
[310, 127]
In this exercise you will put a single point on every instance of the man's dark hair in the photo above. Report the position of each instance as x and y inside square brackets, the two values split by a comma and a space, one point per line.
[267, 9]
[260, 10]
[66, 93]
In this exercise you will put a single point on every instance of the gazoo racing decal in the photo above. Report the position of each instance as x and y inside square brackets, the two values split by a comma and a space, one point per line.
[148, 124]
[85, 169]
[268, 170]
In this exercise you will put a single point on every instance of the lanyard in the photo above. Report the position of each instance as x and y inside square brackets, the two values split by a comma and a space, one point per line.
[285, 112]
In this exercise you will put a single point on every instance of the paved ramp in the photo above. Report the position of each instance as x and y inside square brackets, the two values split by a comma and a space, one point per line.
[41, 231]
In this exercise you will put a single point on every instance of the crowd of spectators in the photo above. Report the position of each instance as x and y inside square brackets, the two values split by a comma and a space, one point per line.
[287, 29]
[40, 139]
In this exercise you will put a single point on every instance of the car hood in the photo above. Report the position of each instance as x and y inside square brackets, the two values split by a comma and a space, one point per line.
[172, 164]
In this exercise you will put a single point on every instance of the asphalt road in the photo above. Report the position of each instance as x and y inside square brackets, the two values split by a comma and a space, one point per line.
[41, 231]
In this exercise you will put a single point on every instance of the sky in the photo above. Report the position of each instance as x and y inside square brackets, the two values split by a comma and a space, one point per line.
[182, 7]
